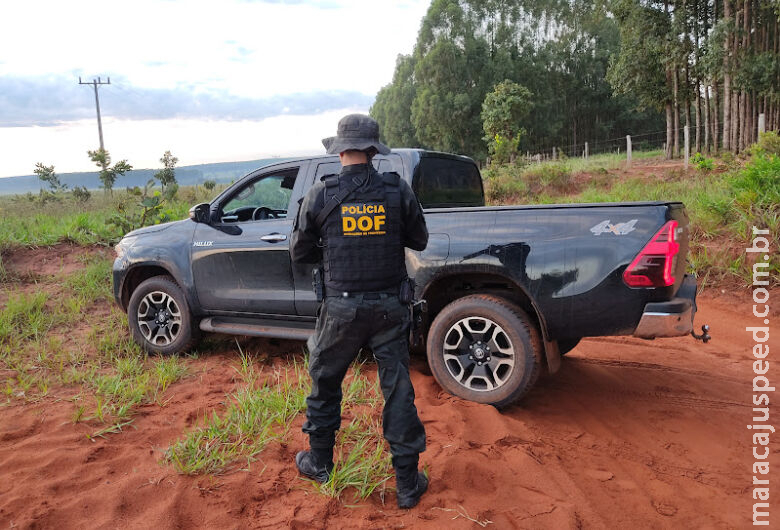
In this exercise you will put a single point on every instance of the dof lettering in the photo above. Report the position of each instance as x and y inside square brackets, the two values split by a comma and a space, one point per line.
[360, 219]
[363, 223]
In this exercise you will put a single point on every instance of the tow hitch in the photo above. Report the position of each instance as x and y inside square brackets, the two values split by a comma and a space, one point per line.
[705, 334]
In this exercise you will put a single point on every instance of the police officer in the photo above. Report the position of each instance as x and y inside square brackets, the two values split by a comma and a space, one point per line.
[356, 224]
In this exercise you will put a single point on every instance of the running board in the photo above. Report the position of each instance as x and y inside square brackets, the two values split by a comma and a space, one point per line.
[257, 328]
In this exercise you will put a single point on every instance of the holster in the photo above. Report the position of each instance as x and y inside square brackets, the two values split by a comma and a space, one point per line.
[406, 292]
[318, 283]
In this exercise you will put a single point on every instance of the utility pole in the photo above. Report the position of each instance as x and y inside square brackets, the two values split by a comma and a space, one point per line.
[95, 84]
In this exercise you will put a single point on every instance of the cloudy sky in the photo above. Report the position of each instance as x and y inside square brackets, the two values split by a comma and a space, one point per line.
[210, 80]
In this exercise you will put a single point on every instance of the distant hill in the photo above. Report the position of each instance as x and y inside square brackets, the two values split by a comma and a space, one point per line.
[185, 176]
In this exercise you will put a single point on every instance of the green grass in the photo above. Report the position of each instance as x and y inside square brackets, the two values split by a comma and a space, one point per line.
[36, 353]
[255, 416]
[362, 463]
[25, 317]
[26, 222]
[261, 413]
[93, 282]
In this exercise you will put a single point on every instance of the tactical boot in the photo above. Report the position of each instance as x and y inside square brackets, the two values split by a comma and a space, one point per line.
[410, 484]
[311, 466]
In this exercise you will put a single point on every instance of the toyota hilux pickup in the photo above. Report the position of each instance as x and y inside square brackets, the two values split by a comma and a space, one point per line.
[507, 290]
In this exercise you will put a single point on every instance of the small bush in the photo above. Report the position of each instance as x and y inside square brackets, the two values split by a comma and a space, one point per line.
[701, 163]
[758, 184]
[81, 194]
[553, 175]
[209, 184]
[502, 149]
[729, 160]
[503, 185]
[768, 144]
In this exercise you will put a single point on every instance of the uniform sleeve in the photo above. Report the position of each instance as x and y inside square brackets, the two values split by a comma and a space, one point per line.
[414, 231]
[304, 243]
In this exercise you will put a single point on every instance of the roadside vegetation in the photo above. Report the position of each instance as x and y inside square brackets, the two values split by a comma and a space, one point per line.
[60, 338]
[28, 221]
[262, 410]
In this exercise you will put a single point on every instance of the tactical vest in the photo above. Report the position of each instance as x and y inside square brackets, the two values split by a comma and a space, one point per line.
[362, 250]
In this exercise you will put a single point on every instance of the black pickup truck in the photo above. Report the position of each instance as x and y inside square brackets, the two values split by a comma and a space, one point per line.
[508, 289]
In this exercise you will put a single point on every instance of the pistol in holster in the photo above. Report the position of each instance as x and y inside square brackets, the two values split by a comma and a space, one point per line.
[417, 309]
[406, 292]
[318, 283]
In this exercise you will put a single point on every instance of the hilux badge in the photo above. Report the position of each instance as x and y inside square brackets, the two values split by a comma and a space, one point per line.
[203, 243]
[619, 229]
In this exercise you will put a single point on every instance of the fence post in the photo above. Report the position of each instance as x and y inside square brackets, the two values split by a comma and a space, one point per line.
[628, 150]
[687, 134]
[761, 123]
[586, 150]
[555, 158]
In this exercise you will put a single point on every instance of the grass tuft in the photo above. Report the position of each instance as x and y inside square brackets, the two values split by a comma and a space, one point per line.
[25, 317]
[254, 417]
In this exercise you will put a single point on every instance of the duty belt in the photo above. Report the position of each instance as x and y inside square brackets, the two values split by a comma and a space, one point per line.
[375, 295]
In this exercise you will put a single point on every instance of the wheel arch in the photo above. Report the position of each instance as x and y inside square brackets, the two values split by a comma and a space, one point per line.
[449, 287]
[137, 275]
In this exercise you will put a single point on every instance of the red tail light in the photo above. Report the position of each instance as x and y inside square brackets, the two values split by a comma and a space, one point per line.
[653, 266]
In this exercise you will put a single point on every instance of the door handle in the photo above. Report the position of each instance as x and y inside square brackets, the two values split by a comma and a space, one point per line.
[274, 238]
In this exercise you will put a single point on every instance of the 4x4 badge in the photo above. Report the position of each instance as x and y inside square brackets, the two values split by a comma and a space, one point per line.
[619, 229]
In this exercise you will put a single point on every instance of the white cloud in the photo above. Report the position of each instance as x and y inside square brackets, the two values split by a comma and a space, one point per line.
[250, 49]
[244, 49]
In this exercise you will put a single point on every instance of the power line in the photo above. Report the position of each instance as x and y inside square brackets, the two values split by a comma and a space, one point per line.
[95, 84]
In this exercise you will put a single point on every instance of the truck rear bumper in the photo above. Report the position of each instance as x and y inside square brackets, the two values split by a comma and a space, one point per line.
[670, 319]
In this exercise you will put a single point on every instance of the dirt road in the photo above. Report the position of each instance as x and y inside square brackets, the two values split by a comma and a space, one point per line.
[630, 434]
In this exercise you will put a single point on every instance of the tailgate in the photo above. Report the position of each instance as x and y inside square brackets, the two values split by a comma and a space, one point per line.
[677, 213]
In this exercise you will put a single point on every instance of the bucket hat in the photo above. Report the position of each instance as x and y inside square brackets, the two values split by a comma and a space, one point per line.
[355, 131]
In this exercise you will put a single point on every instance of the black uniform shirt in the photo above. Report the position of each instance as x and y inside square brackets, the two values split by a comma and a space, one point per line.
[305, 242]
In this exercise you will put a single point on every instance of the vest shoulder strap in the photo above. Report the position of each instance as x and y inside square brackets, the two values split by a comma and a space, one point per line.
[337, 199]
[391, 179]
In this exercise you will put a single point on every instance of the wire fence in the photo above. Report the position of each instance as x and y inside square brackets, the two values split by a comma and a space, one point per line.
[650, 141]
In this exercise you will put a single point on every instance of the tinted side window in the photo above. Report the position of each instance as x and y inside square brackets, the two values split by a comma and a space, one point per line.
[443, 182]
[267, 197]
[327, 168]
[391, 162]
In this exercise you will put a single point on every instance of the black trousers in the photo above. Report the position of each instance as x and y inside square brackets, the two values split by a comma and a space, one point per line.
[346, 325]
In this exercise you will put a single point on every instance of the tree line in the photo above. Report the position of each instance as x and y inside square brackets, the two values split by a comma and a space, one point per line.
[591, 71]
[713, 65]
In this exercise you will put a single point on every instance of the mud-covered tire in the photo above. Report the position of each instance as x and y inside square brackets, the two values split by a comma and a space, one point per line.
[567, 345]
[490, 330]
[175, 331]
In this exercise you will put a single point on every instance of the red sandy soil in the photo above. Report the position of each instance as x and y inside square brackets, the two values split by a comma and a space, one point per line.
[630, 434]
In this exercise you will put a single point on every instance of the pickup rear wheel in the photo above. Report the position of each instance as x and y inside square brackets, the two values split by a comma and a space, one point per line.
[159, 317]
[485, 349]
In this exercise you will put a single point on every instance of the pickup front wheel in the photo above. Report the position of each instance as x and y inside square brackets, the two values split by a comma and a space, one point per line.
[485, 349]
[159, 318]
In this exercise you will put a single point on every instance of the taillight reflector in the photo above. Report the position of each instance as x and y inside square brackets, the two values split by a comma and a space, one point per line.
[652, 267]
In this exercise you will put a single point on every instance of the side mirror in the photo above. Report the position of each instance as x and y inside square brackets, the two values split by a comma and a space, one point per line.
[200, 212]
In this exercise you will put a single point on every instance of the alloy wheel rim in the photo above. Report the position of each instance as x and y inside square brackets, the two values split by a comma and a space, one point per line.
[478, 354]
[159, 318]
